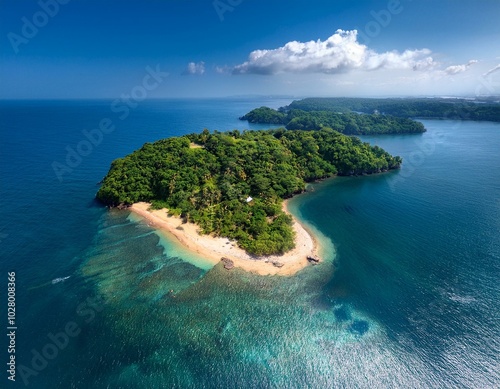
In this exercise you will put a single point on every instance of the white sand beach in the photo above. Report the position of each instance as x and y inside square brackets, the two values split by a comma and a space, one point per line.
[214, 248]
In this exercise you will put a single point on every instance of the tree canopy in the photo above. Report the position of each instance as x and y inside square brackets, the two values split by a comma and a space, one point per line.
[265, 115]
[206, 178]
[350, 123]
[431, 108]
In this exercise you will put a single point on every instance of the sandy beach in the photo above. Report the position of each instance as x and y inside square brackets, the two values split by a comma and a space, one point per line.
[214, 248]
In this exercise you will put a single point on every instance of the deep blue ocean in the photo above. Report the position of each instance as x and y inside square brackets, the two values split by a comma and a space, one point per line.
[408, 296]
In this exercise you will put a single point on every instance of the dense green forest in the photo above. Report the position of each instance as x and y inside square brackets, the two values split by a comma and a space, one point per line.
[349, 123]
[206, 178]
[265, 115]
[459, 109]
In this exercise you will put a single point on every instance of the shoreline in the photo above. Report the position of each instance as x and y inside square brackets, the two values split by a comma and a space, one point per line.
[214, 248]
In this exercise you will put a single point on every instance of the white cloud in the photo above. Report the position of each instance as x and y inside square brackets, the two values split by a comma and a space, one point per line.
[455, 69]
[223, 69]
[492, 70]
[339, 53]
[194, 68]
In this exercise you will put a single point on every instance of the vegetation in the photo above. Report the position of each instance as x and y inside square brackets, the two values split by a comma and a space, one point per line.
[365, 116]
[459, 109]
[349, 123]
[352, 123]
[265, 115]
[210, 185]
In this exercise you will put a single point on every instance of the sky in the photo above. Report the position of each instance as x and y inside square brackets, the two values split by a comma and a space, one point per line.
[70, 49]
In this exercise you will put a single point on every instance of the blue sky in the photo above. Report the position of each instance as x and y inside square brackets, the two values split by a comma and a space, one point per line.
[87, 48]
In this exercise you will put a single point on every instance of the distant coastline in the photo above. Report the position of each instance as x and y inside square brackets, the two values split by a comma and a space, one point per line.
[216, 248]
[373, 116]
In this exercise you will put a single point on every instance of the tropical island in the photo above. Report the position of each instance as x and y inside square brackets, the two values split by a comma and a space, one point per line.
[370, 116]
[479, 109]
[348, 123]
[232, 185]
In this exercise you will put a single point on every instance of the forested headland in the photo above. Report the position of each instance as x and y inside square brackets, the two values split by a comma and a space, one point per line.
[349, 123]
[428, 108]
[209, 178]
[370, 116]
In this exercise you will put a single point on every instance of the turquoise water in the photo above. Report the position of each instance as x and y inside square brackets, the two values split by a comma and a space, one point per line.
[408, 295]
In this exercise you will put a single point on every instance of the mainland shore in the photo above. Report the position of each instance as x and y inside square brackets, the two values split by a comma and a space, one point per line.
[215, 248]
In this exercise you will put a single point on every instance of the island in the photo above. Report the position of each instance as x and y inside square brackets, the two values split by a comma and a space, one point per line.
[348, 123]
[477, 108]
[230, 187]
[374, 116]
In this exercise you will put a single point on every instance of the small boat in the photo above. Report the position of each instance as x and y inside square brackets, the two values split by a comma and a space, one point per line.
[57, 280]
